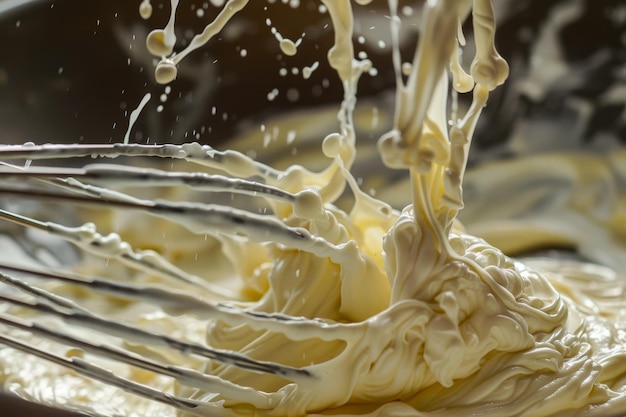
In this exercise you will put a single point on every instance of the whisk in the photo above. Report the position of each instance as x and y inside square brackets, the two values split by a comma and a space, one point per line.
[318, 321]
[63, 186]
[287, 238]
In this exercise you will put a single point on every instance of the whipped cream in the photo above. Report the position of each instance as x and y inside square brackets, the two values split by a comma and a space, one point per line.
[369, 311]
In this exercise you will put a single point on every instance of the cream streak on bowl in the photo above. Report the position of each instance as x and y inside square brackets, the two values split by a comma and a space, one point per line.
[267, 299]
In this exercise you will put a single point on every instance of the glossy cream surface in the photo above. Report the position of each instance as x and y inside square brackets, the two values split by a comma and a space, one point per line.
[391, 312]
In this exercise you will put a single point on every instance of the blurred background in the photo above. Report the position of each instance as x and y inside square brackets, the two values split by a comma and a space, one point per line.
[71, 71]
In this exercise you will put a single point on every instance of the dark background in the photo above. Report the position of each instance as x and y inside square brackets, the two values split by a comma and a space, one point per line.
[71, 70]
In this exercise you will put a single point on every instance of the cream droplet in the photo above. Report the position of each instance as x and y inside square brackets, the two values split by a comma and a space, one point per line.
[331, 145]
[307, 71]
[288, 47]
[145, 9]
[308, 204]
[155, 42]
[165, 72]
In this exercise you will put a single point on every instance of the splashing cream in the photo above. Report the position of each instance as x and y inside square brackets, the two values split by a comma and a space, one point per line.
[301, 308]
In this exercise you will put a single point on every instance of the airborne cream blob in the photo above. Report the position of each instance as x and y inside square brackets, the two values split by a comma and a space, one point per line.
[373, 311]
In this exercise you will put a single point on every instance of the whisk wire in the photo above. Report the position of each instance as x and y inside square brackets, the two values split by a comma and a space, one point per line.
[55, 305]
[98, 373]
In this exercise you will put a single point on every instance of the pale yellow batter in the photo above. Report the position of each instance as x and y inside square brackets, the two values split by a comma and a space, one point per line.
[381, 312]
